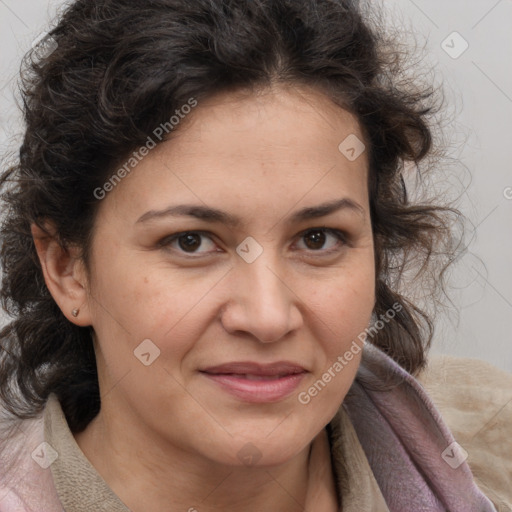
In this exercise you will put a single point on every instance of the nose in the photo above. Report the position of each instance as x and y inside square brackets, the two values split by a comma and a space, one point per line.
[261, 303]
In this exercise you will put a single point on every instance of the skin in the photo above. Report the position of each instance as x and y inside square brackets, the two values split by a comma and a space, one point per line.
[167, 438]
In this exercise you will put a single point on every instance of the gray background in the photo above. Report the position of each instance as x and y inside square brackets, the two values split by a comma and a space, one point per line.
[478, 87]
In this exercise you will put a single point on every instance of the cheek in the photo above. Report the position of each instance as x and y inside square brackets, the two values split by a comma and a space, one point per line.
[170, 308]
[344, 302]
[340, 315]
[143, 297]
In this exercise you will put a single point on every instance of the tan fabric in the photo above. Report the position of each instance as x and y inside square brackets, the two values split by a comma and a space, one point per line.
[475, 400]
[81, 488]
[355, 479]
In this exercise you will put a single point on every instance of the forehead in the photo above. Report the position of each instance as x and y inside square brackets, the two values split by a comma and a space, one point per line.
[281, 119]
[253, 149]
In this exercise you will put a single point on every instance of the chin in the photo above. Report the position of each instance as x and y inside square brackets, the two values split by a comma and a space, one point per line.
[259, 449]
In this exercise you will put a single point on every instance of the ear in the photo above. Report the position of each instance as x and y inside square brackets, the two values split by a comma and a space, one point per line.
[64, 274]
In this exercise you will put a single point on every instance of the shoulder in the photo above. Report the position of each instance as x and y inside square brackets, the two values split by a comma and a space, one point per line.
[475, 400]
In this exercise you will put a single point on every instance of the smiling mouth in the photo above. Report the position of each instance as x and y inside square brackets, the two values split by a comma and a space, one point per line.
[256, 383]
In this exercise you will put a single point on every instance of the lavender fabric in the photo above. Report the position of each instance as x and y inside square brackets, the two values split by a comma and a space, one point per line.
[409, 448]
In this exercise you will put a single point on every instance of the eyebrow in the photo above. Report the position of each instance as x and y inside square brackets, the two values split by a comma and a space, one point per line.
[218, 216]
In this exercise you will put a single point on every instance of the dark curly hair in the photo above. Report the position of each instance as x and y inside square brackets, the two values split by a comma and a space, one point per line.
[120, 67]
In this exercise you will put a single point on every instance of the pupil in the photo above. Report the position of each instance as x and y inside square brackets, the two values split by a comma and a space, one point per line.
[315, 239]
[190, 242]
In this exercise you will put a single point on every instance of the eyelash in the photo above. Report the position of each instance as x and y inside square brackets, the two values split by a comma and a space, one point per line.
[340, 235]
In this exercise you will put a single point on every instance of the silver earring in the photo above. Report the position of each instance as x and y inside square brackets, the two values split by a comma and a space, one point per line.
[75, 312]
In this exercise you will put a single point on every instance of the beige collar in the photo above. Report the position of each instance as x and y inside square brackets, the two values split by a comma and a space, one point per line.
[79, 485]
[82, 489]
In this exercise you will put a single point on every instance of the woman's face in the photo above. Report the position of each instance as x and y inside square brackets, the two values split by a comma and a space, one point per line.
[230, 270]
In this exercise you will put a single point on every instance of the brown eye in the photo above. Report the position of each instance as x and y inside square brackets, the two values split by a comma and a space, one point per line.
[190, 242]
[197, 243]
[315, 240]
[322, 240]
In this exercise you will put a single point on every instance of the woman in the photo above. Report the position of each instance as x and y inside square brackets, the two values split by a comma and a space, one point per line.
[202, 253]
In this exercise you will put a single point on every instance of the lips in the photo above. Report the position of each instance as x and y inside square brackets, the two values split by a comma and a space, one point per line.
[257, 383]
[256, 369]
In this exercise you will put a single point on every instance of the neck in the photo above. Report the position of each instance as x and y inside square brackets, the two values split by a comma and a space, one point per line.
[147, 475]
